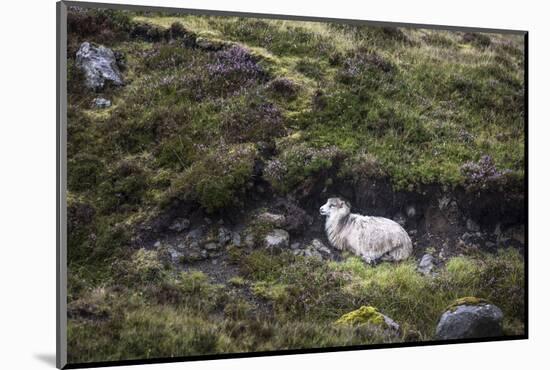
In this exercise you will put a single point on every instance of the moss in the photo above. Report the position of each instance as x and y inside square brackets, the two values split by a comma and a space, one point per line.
[365, 315]
[466, 301]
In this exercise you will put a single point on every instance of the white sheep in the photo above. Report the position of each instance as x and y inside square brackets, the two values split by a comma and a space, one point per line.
[372, 238]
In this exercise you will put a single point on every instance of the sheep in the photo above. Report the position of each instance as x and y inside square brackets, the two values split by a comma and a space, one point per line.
[371, 238]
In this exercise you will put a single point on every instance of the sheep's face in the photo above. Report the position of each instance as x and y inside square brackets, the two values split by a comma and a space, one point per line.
[335, 207]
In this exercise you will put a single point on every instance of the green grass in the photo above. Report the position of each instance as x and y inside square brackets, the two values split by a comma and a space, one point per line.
[187, 314]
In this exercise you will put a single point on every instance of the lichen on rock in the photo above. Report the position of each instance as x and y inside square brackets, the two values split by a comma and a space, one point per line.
[368, 315]
[466, 301]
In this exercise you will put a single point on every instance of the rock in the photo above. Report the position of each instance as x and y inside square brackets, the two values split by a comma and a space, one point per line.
[101, 103]
[426, 264]
[368, 315]
[297, 220]
[157, 244]
[236, 239]
[174, 255]
[470, 317]
[272, 218]
[277, 239]
[411, 211]
[193, 256]
[99, 65]
[249, 241]
[180, 225]
[295, 246]
[443, 202]
[471, 225]
[307, 252]
[224, 235]
[211, 246]
[195, 235]
[318, 245]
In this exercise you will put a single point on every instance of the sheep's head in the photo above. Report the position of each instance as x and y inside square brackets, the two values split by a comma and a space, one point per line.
[335, 207]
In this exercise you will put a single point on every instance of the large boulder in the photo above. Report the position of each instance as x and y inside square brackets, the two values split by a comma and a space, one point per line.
[99, 65]
[470, 317]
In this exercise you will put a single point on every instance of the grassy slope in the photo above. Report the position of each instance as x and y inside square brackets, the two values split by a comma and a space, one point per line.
[416, 105]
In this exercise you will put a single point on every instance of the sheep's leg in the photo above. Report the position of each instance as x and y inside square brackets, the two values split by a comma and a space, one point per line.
[371, 260]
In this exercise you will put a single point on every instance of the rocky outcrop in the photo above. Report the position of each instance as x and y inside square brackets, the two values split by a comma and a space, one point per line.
[99, 65]
[470, 317]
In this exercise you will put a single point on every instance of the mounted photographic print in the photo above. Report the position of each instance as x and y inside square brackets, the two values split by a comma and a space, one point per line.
[236, 185]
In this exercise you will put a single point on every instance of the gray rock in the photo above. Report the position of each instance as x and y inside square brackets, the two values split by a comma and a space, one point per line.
[224, 235]
[101, 103]
[236, 239]
[180, 225]
[99, 65]
[211, 246]
[174, 255]
[471, 225]
[392, 325]
[277, 239]
[157, 244]
[272, 218]
[249, 241]
[195, 235]
[470, 321]
[444, 202]
[426, 264]
[295, 246]
[318, 246]
[411, 211]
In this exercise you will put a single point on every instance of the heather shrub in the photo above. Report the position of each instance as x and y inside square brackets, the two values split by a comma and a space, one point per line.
[102, 25]
[284, 88]
[483, 174]
[233, 69]
[477, 39]
[252, 119]
[296, 164]
[365, 66]
[218, 180]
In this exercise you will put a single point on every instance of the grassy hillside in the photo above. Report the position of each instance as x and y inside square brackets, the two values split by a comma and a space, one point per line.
[212, 106]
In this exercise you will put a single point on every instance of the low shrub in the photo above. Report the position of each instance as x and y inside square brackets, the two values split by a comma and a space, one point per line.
[298, 163]
[219, 179]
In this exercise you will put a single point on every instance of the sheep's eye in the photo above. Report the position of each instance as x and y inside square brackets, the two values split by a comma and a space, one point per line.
[332, 205]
